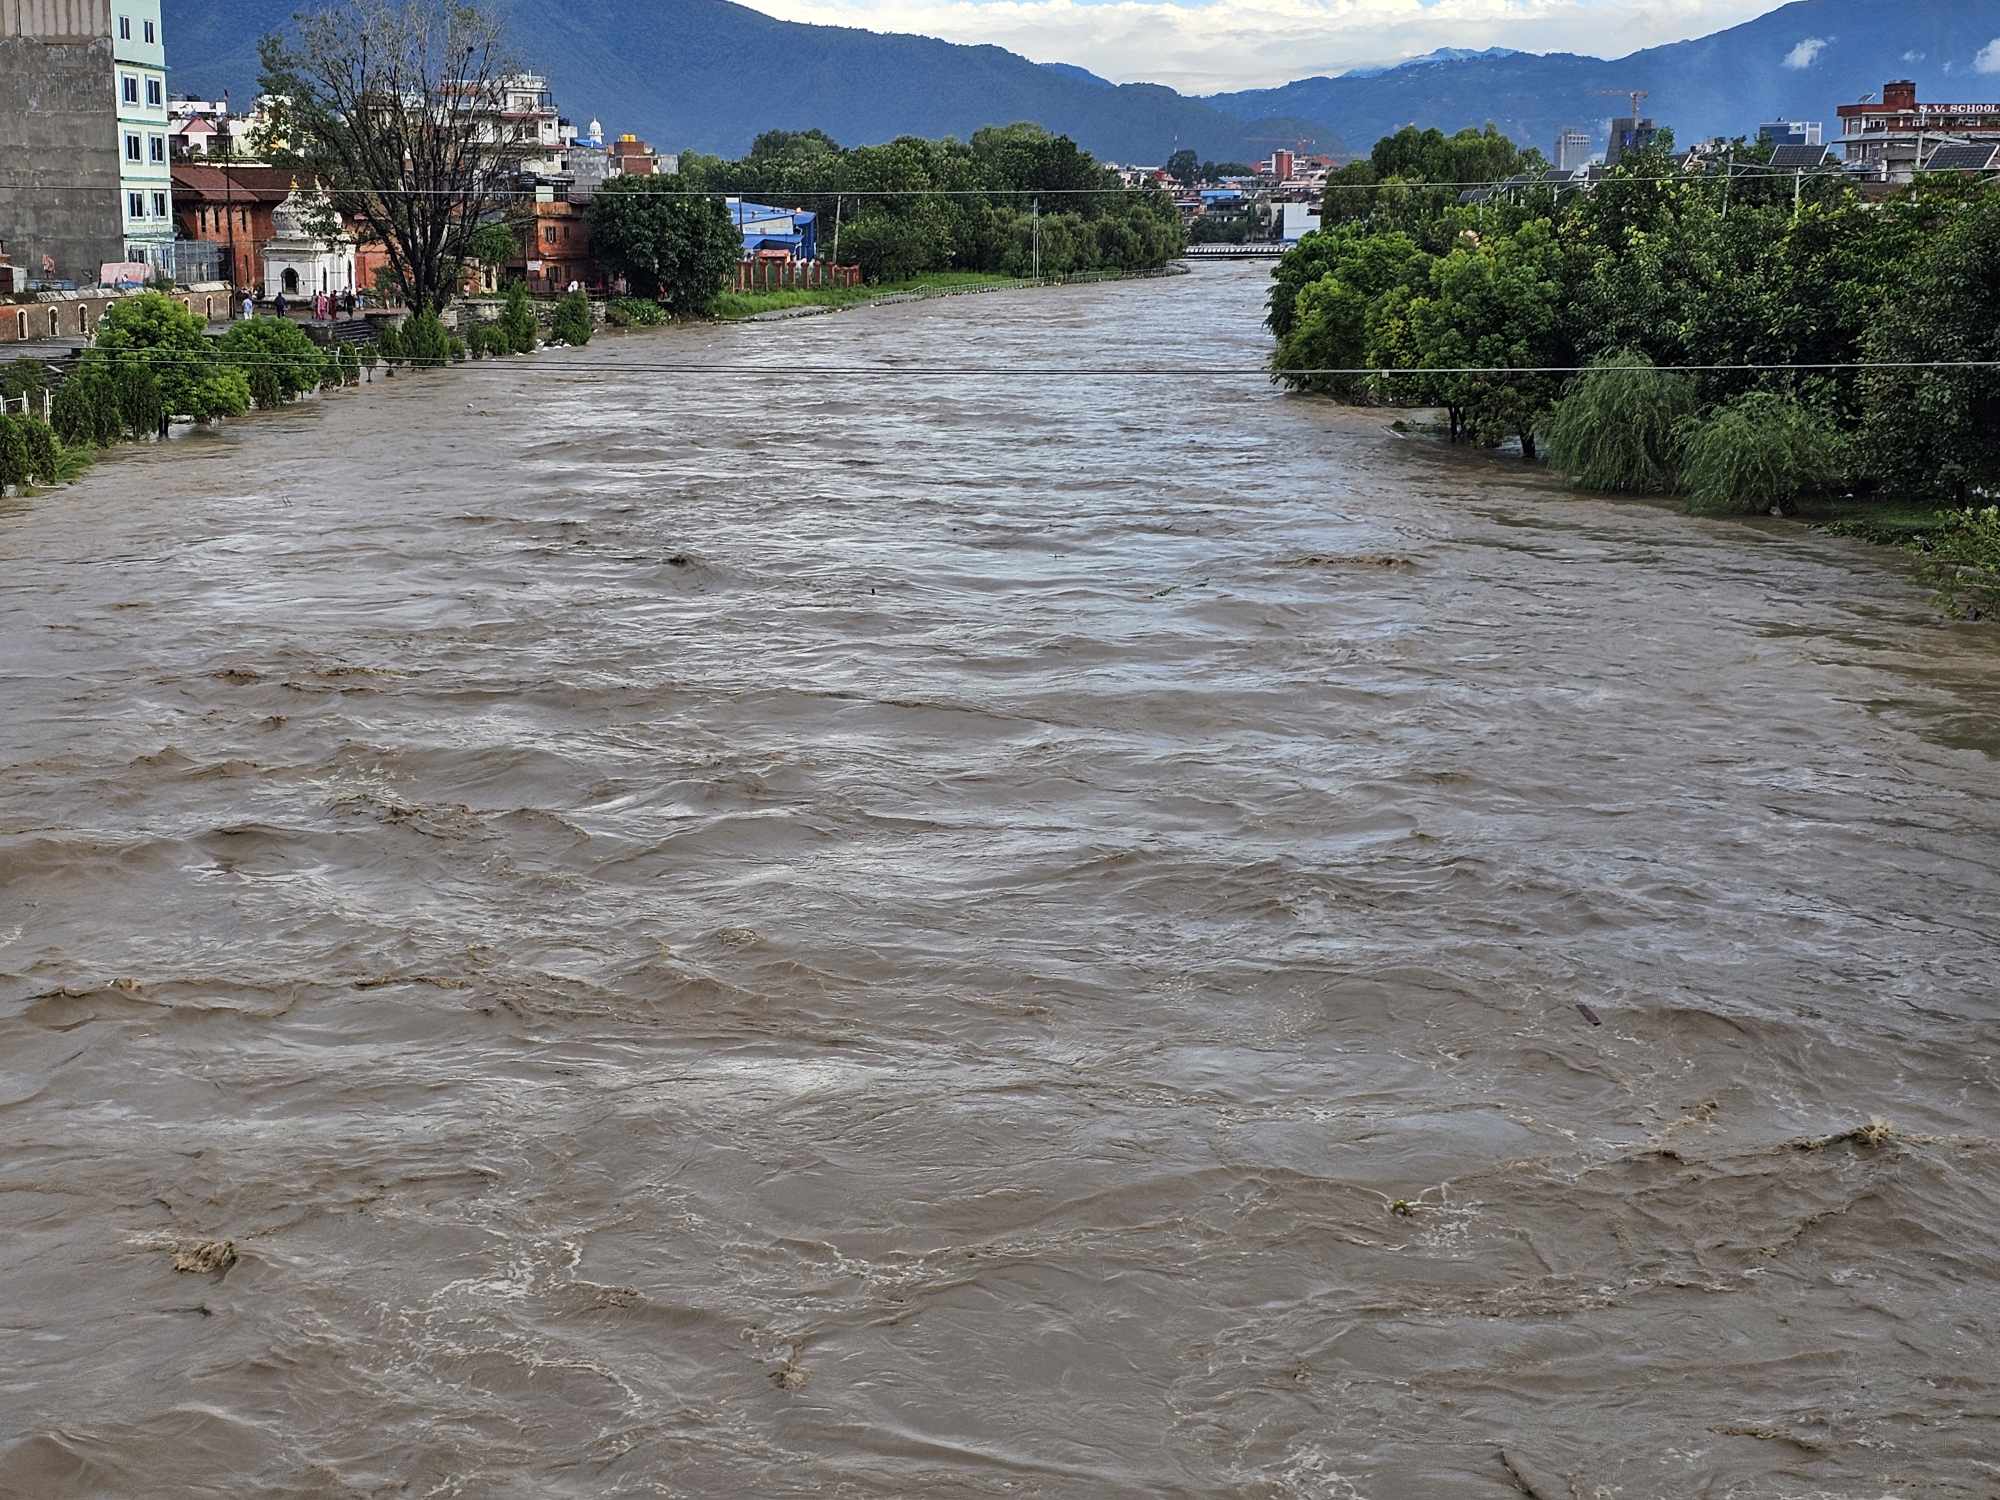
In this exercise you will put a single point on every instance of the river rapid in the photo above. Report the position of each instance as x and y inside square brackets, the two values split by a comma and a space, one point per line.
[1062, 936]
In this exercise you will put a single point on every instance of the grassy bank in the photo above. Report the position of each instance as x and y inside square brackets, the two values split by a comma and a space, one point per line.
[1880, 521]
[732, 305]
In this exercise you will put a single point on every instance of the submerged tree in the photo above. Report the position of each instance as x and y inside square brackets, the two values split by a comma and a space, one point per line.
[1617, 427]
[395, 107]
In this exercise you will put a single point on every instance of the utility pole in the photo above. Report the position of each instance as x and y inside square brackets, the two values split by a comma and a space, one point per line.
[1035, 218]
[836, 231]
[1798, 192]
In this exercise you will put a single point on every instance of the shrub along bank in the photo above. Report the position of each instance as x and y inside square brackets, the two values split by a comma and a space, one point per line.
[1744, 348]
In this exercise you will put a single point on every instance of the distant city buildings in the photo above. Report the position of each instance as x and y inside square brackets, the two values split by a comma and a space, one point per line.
[1574, 148]
[1628, 135]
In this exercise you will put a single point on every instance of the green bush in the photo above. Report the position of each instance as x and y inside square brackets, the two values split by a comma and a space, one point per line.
[456, 348]
[14, 463]
[1617, 428]
[85, 411]
[572, 321]
[425, 343]
[45, 450]
[23, 377]
[1962, 562]
[141, 408]
[390, 341]
[634, 312]
[350, 364]
[517, 319]
[277, 359]
[1758, 452]
[371, 355]
[190, 376]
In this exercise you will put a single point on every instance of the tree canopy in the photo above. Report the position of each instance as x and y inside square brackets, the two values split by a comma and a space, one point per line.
[668, 245]
[1775, 297]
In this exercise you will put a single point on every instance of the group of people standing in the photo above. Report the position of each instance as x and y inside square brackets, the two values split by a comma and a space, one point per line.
[324, 305]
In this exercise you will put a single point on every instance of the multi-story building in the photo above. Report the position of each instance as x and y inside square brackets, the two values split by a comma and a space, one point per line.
[1629, 135]
[1573, 150]
[1892, 139]
[61, 187]
[145, 176]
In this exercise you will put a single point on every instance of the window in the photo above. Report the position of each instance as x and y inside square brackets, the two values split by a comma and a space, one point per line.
[128, 88]
[153, 91]
[159, 205]
[548, 234]
[150, 37]
[135, 205]
[159, 148]
[131, 147]
[124, 28]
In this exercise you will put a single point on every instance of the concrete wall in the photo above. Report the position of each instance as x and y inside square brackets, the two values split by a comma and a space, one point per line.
[74, 316]
[59, 193]
[55, 18]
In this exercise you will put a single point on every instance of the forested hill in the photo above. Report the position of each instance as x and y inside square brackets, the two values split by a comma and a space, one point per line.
[706, 75]
[1796, 63]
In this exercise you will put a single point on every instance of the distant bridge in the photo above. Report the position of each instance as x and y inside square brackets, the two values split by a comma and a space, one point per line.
[1264, 251]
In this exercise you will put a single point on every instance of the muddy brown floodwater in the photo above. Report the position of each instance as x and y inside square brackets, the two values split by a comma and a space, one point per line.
[642, 936]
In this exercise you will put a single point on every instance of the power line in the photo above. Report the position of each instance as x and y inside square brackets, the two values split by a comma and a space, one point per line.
[1687, 179]
[1038, 372]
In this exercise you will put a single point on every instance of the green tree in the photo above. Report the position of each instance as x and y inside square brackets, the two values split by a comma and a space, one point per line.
[572, 320]
[1935, 432]
[277, 359]
[1333, 323]
[85, 410]
[676, 249]
[1618, 427]
[14, 461]
[494, 244]
[424, 341]
[192, 380]
[1492, 306]
[1760, 452]
[141, 409]
[517, 319]
[1184, 166]
[370, 97]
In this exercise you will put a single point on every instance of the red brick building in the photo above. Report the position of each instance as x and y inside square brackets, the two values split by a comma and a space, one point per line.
[231, 207]
[555, 249]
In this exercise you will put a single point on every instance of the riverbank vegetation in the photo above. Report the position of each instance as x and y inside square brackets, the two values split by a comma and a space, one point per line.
[1748, 343]
[153, 363]
[913, 206]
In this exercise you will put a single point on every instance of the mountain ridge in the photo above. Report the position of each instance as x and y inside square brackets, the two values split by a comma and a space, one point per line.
[708, 75]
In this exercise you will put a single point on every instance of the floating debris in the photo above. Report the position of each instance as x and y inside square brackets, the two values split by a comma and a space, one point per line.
[205, 1257]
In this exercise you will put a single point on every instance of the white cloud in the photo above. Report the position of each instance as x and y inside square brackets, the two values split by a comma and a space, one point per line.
[1988, 60]
[1913, 57]
[1806, 53]
[1206, 46]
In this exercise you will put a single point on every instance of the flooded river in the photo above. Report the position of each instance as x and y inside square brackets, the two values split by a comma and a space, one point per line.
[899, 936]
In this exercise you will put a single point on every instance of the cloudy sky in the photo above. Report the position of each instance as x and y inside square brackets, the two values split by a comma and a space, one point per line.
[1204, 46]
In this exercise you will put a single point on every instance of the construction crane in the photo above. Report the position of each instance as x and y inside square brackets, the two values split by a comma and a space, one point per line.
[1637, 96]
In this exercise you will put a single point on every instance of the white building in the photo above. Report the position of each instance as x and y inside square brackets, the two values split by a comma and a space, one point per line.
[1296, 221]
[145, 176]
[298, 262]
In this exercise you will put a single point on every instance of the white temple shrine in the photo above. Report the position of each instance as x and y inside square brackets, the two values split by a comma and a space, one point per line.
[296, 261]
